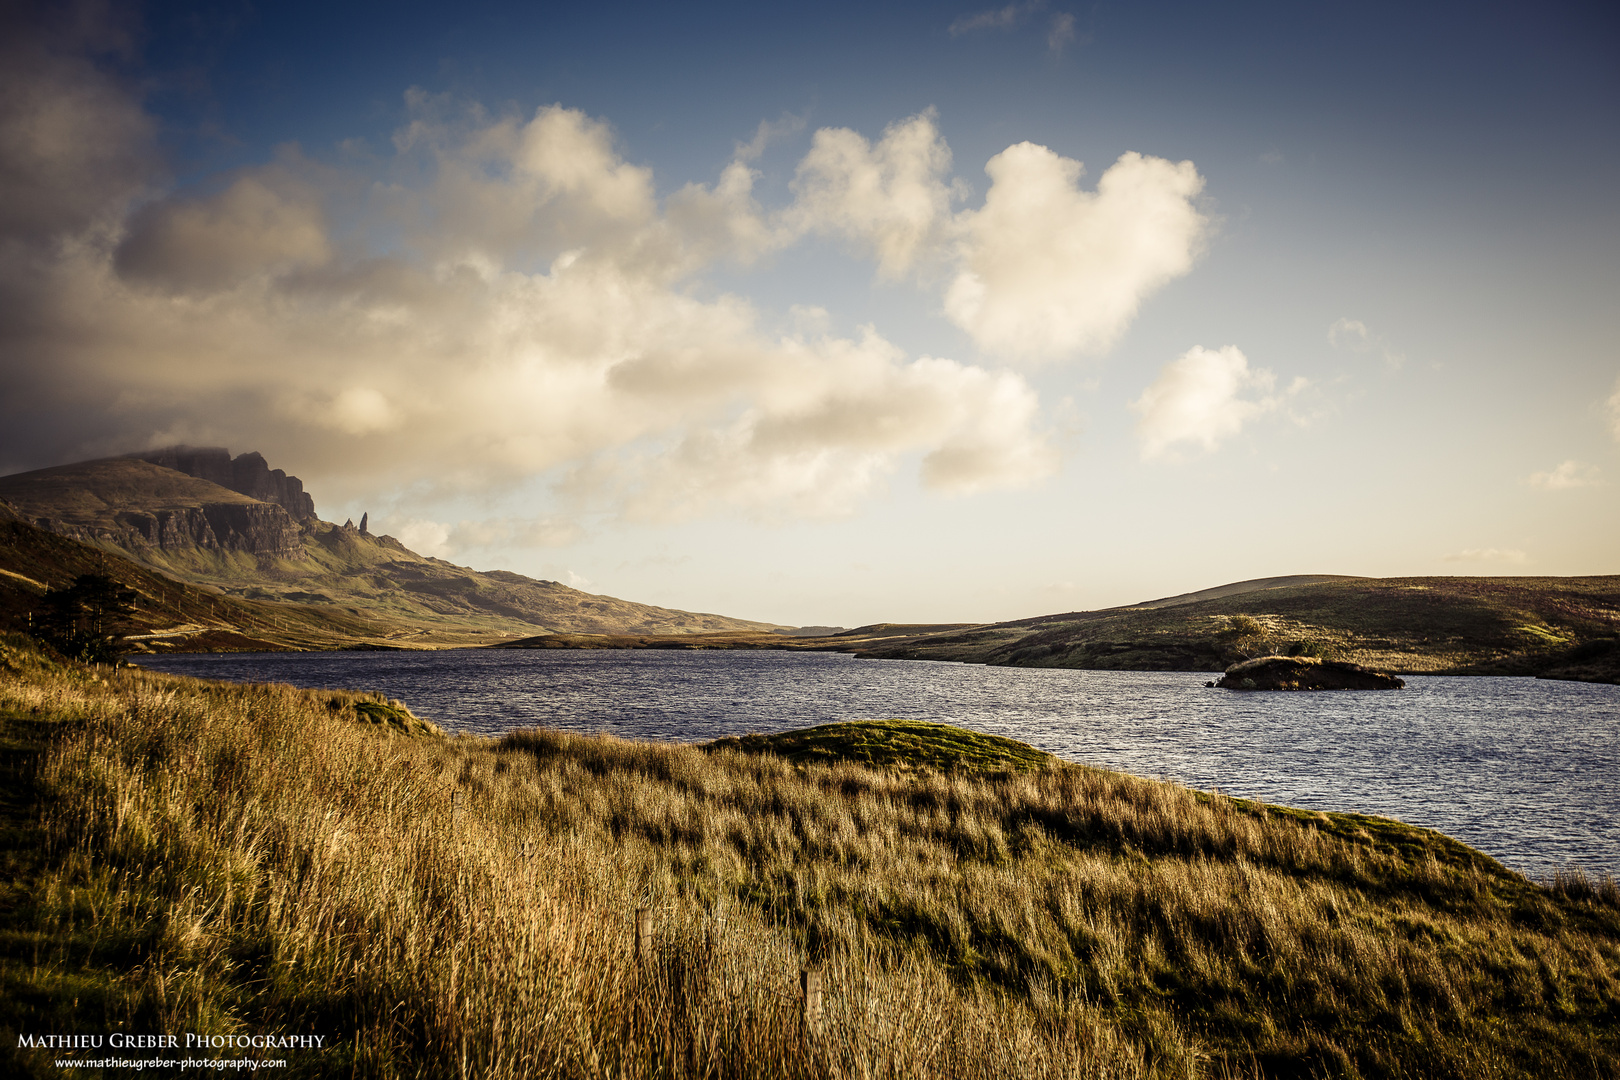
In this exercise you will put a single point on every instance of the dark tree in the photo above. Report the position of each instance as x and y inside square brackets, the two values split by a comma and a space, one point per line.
[87, 620]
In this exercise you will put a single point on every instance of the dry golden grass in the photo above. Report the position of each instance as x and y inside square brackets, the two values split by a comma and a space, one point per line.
[251, 858]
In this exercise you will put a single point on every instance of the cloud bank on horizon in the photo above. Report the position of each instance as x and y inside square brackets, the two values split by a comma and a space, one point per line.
[501, 296]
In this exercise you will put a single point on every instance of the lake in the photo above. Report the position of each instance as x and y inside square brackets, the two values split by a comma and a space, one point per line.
[1527, 770]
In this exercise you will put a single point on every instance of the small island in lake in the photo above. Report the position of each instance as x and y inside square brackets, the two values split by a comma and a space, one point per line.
[1304, 673]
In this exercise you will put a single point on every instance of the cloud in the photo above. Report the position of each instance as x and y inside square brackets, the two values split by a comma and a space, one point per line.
[1570, 474]
[1350, 334]
[1049, 270]
[891, 197]
[359, 410]
[1061, 33]
[445, 541]
[526, 310]
[767, 132]
[1488, 555]
[1044, 270]
[499, 297]
[830, 433]
[1353, 335]
[75, 146]
[535, 532]
[265, 222]
[1003, 18]
[1197, 399]
[426, 537]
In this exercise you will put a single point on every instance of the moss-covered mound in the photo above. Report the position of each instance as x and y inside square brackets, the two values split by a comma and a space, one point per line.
[904, 744]
[387, 714]
[1304, 673]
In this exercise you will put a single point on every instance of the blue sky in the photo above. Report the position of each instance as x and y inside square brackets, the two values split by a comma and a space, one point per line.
[717, 307]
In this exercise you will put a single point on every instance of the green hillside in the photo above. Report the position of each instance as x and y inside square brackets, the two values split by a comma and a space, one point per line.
[1560, 627]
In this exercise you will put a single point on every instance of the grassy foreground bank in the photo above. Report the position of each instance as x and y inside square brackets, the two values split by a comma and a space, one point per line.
[190, 857]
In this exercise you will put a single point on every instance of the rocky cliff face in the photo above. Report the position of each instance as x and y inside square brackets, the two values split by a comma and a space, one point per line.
[144, 507]
[260, 529]
[248, 474]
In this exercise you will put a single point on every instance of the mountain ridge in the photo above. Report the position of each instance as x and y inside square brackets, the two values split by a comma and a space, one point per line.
[199, 532]
[248, 474]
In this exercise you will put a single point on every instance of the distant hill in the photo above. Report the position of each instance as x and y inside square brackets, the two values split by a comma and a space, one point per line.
[1238, 588]
[1561, 627]
[205, 534]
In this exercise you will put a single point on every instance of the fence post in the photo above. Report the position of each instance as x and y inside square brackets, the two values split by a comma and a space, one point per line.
[644, 950]
[810, 983]
[455, 810]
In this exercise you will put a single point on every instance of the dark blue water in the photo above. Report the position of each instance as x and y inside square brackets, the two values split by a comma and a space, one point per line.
[1524, 769]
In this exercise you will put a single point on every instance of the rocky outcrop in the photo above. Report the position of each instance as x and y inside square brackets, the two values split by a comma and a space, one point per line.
[144, 507]
[1304, 673]
[248, 474]
[260, 529]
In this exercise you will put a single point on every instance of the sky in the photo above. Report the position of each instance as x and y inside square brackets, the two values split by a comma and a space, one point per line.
[844, 314]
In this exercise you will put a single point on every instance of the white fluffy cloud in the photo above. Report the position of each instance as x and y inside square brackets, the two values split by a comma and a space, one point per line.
[527, 309]
[830, 427]
[1199, 399]
[890, 197]
[500, 297]
[1044, 270]
[1048, 269]
[1569, 474]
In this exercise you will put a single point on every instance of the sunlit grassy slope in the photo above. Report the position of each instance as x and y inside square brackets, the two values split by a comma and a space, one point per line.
[191, 856]
[1565, 627]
